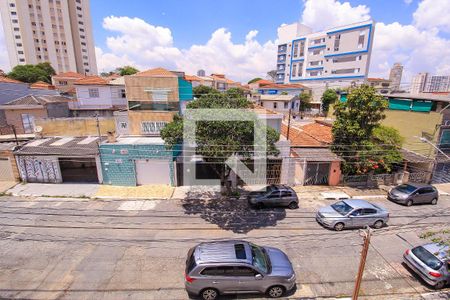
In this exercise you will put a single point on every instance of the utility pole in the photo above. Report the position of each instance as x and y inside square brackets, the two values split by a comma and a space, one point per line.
[362, 263]
[15, 134]
[289, 124]
[98, 126]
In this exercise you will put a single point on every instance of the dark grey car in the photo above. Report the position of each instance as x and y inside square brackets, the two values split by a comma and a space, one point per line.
[234, 267]
[274, 195]
[414, 193]
[352, 213]
[431, 262]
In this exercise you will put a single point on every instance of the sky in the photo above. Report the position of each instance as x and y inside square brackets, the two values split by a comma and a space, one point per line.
[239, 38]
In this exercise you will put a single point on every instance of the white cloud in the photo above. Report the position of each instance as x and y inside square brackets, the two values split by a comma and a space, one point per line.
[322, 14]
[146, 46]
[4, 60]
[433, 14]
[408, 2]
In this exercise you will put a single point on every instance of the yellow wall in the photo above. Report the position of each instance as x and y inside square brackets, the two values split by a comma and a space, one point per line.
[74, 126]
[135, 119]
[136, 85]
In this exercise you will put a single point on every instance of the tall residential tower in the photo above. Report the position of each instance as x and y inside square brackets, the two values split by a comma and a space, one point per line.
[57, 31]
[395, 76]
[333, 57]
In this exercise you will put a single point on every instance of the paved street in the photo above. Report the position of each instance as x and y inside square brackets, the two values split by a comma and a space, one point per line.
[112, 249]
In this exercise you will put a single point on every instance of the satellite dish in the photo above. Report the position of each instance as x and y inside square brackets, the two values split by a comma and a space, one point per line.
[37, 129]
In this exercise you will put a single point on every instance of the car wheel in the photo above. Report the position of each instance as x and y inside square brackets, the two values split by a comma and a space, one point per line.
[378, 224]
[339, 226]
[209, 294]
[409, 203]
[293, 205]
[434, 201]
[440, 285]
[275, 291]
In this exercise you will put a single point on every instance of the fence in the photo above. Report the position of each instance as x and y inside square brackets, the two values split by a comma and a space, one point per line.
[385, 179]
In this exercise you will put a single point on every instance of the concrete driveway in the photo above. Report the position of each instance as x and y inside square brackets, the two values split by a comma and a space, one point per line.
[115, 249]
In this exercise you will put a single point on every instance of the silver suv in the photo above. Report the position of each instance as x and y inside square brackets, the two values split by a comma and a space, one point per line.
[230, 267]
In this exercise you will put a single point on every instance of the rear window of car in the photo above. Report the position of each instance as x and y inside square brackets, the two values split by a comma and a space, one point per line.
[427, 258]
[190, 263]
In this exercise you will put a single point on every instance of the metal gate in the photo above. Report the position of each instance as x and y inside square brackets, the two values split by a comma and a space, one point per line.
[317, 173]
[6, 171]
[441, 173]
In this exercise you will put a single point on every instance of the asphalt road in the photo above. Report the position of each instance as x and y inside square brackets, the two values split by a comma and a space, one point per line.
[93, 249]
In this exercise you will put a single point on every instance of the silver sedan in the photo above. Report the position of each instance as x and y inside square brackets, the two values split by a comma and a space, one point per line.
[352, 213]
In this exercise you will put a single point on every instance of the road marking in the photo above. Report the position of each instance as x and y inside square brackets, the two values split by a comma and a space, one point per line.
[138, 205]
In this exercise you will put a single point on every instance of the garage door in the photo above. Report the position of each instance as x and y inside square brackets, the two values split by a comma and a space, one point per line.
[6, 172]
[78, 169]
[152, 171]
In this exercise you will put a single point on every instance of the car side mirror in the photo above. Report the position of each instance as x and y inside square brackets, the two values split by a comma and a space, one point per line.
[258, 277]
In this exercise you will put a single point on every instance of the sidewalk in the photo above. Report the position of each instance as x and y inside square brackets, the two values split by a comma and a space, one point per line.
[98, 191]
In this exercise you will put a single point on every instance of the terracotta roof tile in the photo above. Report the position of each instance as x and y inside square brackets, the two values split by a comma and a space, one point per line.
[262, 82]
[42, 85]
[192, 78]
[157, 72]
[300, 138]
[91, 80]
[320, 131]
[377, 79]
[9, 80]
[69, 74]
[38, 100]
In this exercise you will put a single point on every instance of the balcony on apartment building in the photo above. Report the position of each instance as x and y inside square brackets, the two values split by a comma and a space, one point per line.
[282, 49]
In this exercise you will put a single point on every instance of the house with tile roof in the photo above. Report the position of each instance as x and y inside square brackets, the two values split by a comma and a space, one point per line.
[97, 96]
[311, 160]
[63, 82]
[22, 112]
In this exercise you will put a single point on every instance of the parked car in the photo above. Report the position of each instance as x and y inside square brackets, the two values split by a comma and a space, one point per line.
[414, 193]
[431, 262]
[274, 195]
[231, 267]
[352, 213]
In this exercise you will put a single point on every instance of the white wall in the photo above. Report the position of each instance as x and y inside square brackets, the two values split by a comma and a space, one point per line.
[109, 96]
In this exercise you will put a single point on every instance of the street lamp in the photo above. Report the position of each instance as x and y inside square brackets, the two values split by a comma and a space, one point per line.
[433, 145]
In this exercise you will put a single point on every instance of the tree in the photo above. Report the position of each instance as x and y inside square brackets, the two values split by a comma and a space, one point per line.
[33, 73]
[235, 92]
[305, 102]
[272, 75]
[328, 97]
[353, 130]
[218, 140]
[201, 90]
[126, 70]
[254, 80]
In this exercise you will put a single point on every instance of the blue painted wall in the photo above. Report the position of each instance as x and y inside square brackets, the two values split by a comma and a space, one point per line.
[118, 161]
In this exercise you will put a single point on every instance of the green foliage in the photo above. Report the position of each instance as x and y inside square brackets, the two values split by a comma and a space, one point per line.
[203, 90]
[254, 80]
[284, 93]
[235, 92]
[305, 102]
[328, 97]
[33, 73]
[218, 140]
[126, 70]
[353, 133]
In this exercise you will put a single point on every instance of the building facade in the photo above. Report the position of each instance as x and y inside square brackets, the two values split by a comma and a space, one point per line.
[382, 85]
[56, 31]
[395, 76]
[437, 83]
[336, 56]
[418, 83]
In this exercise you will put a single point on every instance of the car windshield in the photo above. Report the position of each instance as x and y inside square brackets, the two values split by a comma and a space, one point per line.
[342, 207]
[260, 260]
[406, 188]
[269, 189]
[427, 258]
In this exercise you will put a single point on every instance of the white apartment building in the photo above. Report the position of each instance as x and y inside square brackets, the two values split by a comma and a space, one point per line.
[57, 31]
[437, 83]
[334, 57]
[395, 76]
[418, 83]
